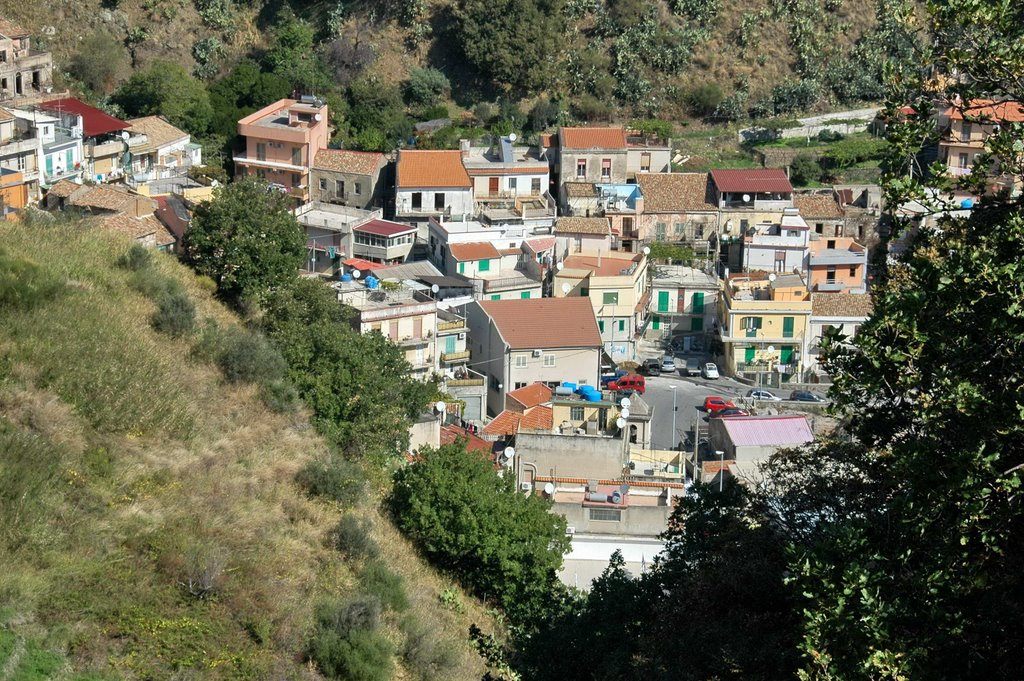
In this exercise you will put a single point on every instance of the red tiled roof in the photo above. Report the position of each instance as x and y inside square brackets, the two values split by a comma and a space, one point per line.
[477, 250]
[510, 422]
[418, 168]
[536, 246]
[545, 322]
[64, 188]
[383, 228]
[532, 395]
[538, 418]
[11, 30]
[345, 161]
[360, 264]
[1008, 111]
[474, 443]
[592, 138]
[94, 121]
[754, 180]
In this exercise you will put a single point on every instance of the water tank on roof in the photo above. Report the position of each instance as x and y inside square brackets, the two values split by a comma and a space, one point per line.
[346, 277]
[616, 497]
[570, 386]
[563, 390]
[967, 204]
[596, 496]
[592, 396]
[372, 282]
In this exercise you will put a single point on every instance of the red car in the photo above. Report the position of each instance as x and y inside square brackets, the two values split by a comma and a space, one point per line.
[714, 404]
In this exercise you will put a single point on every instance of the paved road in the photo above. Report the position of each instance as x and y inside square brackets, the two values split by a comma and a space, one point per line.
[689, 394]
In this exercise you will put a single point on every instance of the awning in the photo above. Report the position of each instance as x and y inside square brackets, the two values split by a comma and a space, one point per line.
[360, 264]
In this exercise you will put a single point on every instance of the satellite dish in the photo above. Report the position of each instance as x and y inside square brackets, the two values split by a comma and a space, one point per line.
[771, 277]
[125, 135]
[647, 250]
[317, 117]
[625, 413]
[440, 406]
[566, 287]
[435, 288]
[770, 349]
[624, 489]
[559, 266]
[356, 274]
[512, 137]
[746, 198]
[624, 403]
[620, 423]
[509, 453]
[549, 488]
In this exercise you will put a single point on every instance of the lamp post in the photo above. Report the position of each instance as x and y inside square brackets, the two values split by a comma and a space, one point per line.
[674, 393]
[721, 469]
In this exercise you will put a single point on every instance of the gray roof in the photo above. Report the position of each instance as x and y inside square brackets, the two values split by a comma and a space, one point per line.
[409, 270]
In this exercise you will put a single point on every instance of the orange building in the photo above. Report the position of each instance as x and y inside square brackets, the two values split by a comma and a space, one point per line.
[837, 265]
[13, 193]
[281, 141]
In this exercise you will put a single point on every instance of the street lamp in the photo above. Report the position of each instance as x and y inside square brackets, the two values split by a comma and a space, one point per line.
[721, 468]
[674, 393]
[771, 352]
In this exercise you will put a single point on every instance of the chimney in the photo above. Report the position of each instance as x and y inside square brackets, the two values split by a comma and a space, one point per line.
[464, 148]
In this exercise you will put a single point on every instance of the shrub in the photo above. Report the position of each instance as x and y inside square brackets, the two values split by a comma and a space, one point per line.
[704, 99]
[363, 655]
[386, 585]
[344, 617]
[280, 396]
[352, 537]
[136, 258]
[432, 113]
[424, 653]
[804, 168]
[155, 285]
[544, 114]
[335, 479]
[247, 356]
[426, 86]
[24, 285]
[175, 315]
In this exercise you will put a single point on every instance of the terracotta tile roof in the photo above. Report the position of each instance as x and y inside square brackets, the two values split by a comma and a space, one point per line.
[545, 323]
[580, 190]
[431, 169]
[676, 192]
[474, 443]
[94, 121]
[546, 140]
[477, 250]
[383, 228]
[536, 246]
[754, 180]
[532, 395]
[64, 188]
[102, 197]
[592, 138]
[818, 206]
[603, 266]
[577, 225]
[9, 29]
[346, 161]
[840, 305]
[6, 115]
[159, 132]
[509, 251]
[138, 228]
[362, 265]
[1008, 111]
[538, 418]
[510, 422]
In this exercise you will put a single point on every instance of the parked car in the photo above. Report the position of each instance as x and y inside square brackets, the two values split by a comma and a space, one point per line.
[693, 367]
[634, 383]
[804, 396]
[714, 403]
[727, 413]
[710, 370]
[668, 364]
[763, 395]
[614, 376]
[651, 367]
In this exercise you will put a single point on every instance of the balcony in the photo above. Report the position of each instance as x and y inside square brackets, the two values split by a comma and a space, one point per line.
[19, 144]
[410, 341]
[956, 171]
[453, 326]
[105, 149]
[455, 356]
[521, 280]
[246, 160]
[464, 382]
[832, 286]
[423, 364]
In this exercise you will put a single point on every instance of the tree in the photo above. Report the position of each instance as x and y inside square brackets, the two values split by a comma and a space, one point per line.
[166, 89]
[475, 524]
[293, 55]
[377, 110]
[804, 169]
[426, 86]
[246, 240]
[100, 63]
[704, 99]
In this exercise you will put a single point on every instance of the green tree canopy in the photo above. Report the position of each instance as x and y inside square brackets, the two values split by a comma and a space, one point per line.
[246, 240]
[472, 522]
[167, 89]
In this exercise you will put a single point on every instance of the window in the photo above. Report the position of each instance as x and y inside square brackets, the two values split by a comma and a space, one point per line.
[965, 135]
[462, 268]
[296, 180]
[679, 228]
[525, 295]
[438, 200]
[696, 324]
[323, 184]
[751, 324]
[339, 187]
[698, 231]
[357, 188]
[839, 230]
[581, 168]
[780, 261]
[600, 325]
[576, 414]
[645, 162]
[417, 200]
[655, 322]
[496, 296]
[261, 151]
[698, 302]
[606, 168]
[296, 156]
[549, 361]
[853, 270]
[521, 384]
[584, 291]
[744, 224]
[610, 298]
[512, 184]
[535, 185]
[793, 232]
[627, 227]
[610, 514]
[787, 327]
[520, 361]
[819, 227]
[963, 160]
[622, 325]
[830, 275]
[483, 266]
[659, 230]
[831, 243]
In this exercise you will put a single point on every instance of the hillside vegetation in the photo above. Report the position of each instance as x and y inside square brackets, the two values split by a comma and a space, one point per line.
[153, 528]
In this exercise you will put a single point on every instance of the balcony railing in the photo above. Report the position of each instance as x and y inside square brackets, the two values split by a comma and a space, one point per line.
[457, 325]
[416, 340]
[464, 382]
[454, 356]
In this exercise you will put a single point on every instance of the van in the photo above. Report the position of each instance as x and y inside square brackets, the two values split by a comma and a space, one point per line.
[693, 367]
[632, 382]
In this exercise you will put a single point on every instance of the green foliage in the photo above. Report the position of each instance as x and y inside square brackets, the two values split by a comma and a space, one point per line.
[791, 95]
[216, 13]
[378, 580]
[804, 169]
[246, 240]
[101, 63]
[166, 89]
[428, 657]
[700, 11]
[136, 258]
[175, 315]
[293, 56]
[377, 115]
[30, 473]
[207, 52]
[426, 86]
[352, 537]
[704, 99]
[652, 127]
[852, 150]
[347, 643]
[544, 114]
[334, 478]
[662, 250]
[475, 524]
[243, 356]
[24, 284]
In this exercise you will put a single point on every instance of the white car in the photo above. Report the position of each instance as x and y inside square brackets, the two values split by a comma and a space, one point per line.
[765, 395]
[668, 365]
[710, 370]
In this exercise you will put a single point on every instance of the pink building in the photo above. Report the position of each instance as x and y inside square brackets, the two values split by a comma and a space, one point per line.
[281, 141]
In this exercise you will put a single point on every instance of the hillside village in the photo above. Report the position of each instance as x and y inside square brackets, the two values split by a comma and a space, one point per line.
[506, 270]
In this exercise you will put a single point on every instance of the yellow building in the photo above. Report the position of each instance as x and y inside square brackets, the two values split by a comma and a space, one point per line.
[765, 327]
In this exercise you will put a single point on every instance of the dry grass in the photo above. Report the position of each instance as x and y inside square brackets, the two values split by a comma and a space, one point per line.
[166, 531]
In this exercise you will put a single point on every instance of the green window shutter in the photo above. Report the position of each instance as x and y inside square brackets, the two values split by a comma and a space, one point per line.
[70, 158]
[610, 298]
[496, 296]
[524, 294]
[49, 165]
[698, 303]
[600, 325]
[697, 324]
[449, 344]
[662, 301]
[656, 322]
[622, 325]
[787, 327]
[462, 268]
[786, 354]
[484, 266]
[748, 355]
[584, 292]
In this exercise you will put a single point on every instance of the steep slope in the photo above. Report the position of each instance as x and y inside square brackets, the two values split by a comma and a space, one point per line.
[150, 525]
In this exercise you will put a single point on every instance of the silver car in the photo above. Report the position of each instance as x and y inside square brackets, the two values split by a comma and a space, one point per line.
[668, 365]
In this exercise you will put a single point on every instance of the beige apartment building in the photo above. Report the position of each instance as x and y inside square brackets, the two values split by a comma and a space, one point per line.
[25, 74]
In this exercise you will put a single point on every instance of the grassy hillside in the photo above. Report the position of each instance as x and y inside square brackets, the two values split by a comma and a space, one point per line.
[151, 526]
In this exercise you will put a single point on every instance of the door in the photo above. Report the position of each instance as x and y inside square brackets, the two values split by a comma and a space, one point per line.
[492, 186]
[393, 330]
[698, 303]
[748, 355]
[662, 301]
[656, 323]
[49, 166]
